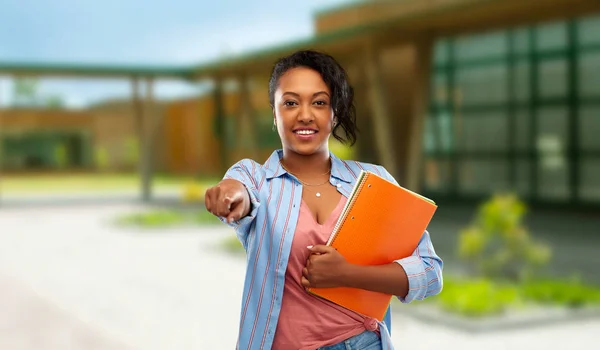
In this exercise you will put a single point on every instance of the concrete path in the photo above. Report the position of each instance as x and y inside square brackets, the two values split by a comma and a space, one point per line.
[71, 280]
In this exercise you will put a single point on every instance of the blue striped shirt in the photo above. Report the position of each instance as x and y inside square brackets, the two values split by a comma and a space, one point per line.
[266, 234]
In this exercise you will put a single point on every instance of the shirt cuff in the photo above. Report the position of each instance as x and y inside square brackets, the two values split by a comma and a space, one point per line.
[417, 279]
[254, 205]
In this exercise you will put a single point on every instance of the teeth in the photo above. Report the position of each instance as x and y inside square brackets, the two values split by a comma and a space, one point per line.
[305, 132]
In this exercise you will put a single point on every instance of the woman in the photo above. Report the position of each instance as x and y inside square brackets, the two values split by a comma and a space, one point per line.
[283, 212]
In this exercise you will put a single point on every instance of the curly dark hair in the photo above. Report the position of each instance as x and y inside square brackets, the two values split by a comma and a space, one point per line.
[332, 73]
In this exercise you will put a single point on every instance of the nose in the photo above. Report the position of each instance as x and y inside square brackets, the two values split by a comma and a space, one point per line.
[305, 115]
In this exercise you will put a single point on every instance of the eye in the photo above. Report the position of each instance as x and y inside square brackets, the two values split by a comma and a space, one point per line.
[289, 103]
[321, 103]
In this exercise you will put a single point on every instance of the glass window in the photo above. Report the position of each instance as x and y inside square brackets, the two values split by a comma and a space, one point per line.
[482, 132]
[437, 174]
[589, 128]
[522, 130]
[521, 81]
[553, 177]
[444, 139]
[523, 175]
[589, 30]
[440, 53]
[589, 74]
[589, 184]
[483, 176]
[551, 36]
[482, 85]
[552, 128]
[429, 139]
[552, 142]
[521, 41]
[552, 80]
[481, 46]
[440, 88]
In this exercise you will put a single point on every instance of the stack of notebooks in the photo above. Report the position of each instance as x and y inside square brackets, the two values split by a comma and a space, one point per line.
[381, 222]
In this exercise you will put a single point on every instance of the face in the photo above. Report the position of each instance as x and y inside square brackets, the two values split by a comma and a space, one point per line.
[303, 111]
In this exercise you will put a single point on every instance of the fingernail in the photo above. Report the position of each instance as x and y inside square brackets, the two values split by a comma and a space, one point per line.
[309, 247]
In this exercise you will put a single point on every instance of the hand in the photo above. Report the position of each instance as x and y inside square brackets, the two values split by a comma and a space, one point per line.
[325, 268]
[228, 199]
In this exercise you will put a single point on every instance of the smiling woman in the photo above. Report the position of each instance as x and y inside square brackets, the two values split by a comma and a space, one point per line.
[285, 210]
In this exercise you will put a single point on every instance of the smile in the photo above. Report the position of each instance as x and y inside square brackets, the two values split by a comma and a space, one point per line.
[305, 132]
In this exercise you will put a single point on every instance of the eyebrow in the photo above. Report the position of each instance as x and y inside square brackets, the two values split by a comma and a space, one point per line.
[297, 95]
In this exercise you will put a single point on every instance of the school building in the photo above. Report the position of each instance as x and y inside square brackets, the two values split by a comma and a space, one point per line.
[457, 98]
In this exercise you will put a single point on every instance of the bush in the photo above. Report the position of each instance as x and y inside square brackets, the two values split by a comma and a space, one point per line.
[497, 245]
[193, 193]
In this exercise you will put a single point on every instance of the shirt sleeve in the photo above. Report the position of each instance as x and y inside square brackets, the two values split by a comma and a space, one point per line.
[423, 268]
[244, 171]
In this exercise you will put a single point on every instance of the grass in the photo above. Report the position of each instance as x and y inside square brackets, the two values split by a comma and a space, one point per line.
[72, 183]
[232, 245]
[165, 218]
[481, 297]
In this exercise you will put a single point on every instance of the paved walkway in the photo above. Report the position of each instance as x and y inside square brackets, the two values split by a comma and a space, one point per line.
[70, 280]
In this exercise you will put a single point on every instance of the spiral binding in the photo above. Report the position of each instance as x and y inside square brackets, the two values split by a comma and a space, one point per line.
[364, 175]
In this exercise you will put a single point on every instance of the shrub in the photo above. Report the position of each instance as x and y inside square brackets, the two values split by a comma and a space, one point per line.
[497, 245]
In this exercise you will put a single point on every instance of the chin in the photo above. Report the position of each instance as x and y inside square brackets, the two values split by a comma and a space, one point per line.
[308, 149]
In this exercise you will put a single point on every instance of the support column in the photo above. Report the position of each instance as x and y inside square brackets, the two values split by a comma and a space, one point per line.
[140, 113]
[149, 122]
[380, 112]
[423, 52]
[247, 130]
[220, 127]
[1, 150]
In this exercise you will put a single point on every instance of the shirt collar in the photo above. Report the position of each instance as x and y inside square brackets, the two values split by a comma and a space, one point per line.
[274, 169]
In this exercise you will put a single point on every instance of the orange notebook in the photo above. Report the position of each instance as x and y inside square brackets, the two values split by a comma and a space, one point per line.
[381, 222]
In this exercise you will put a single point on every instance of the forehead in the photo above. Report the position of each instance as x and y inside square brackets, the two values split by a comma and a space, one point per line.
[301, 80]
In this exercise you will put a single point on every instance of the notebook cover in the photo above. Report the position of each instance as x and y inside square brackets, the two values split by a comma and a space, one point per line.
[382, 222]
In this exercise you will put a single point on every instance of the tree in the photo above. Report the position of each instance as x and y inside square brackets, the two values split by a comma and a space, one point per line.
[26, 94]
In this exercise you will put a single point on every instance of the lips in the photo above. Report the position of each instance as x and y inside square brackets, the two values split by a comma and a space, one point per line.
[305, 135]
[305, 132]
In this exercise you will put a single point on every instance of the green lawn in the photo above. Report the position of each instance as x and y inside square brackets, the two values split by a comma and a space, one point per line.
[61, 183]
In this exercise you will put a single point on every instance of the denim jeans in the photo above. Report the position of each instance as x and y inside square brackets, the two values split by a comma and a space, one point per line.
[366, 340]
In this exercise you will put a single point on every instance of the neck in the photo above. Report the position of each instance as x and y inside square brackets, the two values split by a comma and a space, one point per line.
[306, 165]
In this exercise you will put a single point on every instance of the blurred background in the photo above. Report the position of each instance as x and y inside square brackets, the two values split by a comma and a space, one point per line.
[116, 116]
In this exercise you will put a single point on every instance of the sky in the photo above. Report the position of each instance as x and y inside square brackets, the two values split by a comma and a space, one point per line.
[154, 32]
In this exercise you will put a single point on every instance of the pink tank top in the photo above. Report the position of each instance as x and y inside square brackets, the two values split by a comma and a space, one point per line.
[307, 321]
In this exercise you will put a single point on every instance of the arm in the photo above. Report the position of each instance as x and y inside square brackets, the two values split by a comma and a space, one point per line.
[413, 278]
[235, 199]
[423, 268]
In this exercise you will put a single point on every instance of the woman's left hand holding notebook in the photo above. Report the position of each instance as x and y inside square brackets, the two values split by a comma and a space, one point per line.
[325, 268]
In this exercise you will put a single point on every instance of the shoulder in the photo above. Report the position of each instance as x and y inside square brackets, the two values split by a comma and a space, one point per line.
[355, 167]
[247, 164]
[247, 169]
